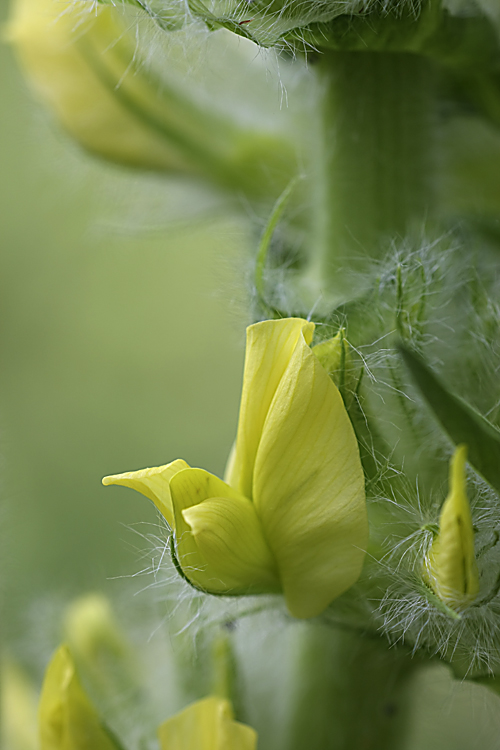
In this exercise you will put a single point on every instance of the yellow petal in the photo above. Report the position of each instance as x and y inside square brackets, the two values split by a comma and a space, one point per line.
[270, 346]
[206, 725]
[154, 483]
[450, 568]
[67, 719]
[229, 536]
[219, 540]
[309, 487]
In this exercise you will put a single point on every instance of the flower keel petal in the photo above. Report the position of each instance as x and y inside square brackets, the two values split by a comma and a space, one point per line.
[190, 488]
[229, 536]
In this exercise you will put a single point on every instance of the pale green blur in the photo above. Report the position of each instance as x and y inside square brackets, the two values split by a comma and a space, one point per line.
[119, 335]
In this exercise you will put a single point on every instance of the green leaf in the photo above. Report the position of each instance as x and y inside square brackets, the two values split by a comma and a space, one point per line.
[459, 419]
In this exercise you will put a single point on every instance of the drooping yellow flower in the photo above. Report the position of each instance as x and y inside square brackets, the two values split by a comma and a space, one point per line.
[450, 567]
[290, 515]
[87, 62]
[206, 725]
[75, 56]
[67, 719]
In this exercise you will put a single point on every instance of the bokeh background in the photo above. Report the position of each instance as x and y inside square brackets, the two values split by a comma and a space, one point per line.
[121, 348]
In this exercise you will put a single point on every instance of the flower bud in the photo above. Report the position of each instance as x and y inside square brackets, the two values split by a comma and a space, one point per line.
[450, 566]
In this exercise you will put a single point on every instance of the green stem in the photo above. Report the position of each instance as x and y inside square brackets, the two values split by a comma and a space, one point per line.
[378, 159]
[349, 692]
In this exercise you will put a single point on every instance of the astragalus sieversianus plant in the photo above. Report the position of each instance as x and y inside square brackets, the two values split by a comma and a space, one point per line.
[362, 495]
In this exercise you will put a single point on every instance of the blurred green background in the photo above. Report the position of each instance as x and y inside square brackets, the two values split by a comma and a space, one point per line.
[121, 348]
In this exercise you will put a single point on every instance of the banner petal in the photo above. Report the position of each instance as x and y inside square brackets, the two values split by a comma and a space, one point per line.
[309, 487]
[270, 346]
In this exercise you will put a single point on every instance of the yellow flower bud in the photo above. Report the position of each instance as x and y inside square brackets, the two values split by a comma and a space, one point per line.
[206, 725]
[67, 719]
[291, 515]
[450, 566]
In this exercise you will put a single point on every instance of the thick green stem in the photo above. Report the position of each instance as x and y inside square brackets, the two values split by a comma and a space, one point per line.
[349, 692]
[378, 160]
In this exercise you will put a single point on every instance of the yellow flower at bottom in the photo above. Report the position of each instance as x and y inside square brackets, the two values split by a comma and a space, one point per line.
[450, 567]
[67, 719]
[291, 515]
[206, 725]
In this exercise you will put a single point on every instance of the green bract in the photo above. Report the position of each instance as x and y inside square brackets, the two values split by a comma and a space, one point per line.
[451, 30]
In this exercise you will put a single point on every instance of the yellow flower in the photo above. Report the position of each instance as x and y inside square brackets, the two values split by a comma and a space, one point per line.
[87, 63]
[75, 59]
[206, 725]
[67, 719]
[290, 515]
[450, 567]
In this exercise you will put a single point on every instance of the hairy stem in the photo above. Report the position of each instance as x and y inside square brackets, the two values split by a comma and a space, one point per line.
[376, 174]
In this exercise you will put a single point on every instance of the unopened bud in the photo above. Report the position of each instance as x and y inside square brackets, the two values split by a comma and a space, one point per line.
[450, 566]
